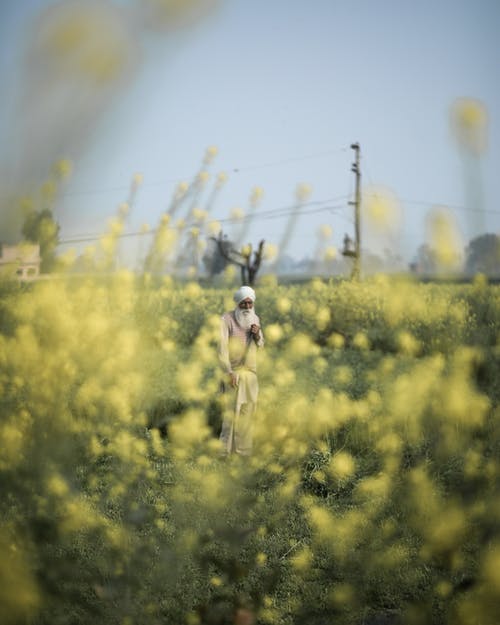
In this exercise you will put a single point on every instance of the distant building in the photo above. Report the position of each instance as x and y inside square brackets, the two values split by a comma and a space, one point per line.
[21, 261]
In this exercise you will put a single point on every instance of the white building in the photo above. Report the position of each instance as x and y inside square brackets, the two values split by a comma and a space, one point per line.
[21, 261]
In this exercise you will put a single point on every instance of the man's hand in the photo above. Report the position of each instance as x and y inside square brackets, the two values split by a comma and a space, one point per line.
[254, 330]
[233, 379]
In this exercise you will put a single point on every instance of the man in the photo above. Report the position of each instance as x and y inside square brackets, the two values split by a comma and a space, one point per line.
[241, 335]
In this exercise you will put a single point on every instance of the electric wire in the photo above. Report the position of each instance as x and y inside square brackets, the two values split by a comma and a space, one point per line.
[228, 220]
[189, 179]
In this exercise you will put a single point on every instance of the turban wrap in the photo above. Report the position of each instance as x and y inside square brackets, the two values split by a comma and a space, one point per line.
[244, 292]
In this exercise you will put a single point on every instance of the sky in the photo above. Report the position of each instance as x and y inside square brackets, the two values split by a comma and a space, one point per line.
[282, 89]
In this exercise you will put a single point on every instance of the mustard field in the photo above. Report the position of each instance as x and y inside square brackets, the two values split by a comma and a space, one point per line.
[372, 495]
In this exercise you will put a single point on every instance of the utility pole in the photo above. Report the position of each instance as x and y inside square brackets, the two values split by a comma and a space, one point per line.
[356, 271]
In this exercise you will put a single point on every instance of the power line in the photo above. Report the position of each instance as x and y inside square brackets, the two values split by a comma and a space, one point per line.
[423, 202]
[190, 178]
[454, 207]
[276, 213]
[270, 214]
[293, 159]
[439, 204]
[228, 220]
[287, 210]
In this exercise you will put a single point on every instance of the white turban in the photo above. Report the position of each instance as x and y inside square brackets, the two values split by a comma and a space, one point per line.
[244, 292]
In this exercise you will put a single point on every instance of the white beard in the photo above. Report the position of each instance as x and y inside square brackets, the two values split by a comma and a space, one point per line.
[245, 317]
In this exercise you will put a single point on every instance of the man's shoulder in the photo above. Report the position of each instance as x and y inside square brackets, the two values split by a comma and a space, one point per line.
[228, 316]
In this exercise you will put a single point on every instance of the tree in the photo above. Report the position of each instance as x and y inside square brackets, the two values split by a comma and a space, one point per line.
[40, 227]
[224, 253]
[426, 262]
[483, 255]
[214, 261]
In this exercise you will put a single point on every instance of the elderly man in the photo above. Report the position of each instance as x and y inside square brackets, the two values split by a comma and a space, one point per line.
[241, 335]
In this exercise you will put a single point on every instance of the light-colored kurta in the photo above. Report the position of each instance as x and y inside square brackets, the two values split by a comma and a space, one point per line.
[238, 355]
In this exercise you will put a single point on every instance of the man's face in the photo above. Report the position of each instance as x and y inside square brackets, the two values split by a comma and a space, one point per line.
[246, 304]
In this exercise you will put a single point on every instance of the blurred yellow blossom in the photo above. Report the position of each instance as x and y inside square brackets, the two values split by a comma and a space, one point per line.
[84, 40]
[330, 254]
[342, 595]
[469, 119]
[270, 252]
[274, 332]
[361, 341]
[303, 192]
[381, 210]
[237, 214]
[342, 466]
[63, 168]
[443, 236]
[325, 232]
[283, 305]
[302, 559]
[203, 177]
[256, 196]
[210, 154]
[20, 596]
[214, 227]
[221, 178]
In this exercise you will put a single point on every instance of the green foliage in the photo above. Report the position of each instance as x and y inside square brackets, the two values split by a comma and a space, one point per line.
[483, 255]
[372, 493]
[40, 227]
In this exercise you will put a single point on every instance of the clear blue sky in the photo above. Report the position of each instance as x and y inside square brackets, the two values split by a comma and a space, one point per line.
[282, 88]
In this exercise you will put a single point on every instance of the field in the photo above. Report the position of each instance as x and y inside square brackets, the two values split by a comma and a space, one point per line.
[372, 495]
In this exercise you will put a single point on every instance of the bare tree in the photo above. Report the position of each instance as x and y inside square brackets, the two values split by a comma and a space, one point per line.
[247, 259]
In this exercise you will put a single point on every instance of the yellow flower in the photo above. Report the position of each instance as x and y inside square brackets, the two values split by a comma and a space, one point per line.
[181, 189]
[491, 568]
[256, 195]
[469, 119]
[246, 250]
[342, 595]
[443, 236]
[381, 210]
[221, 178]
[274, 333]
[322, 318]
[199, 214]
[342, 465]
[56, 485]
[325, 232]
[214, 227]
[12, 441]
[330, 254]
[87, 42]
[336, 340]
[303, 192]
[237, 214]
[19, 593]
[270, 251]
[203, 177]
[283, 305]
[63, 168]
[408, 344]
[302, 560]
[361, 341]
[210, 154]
